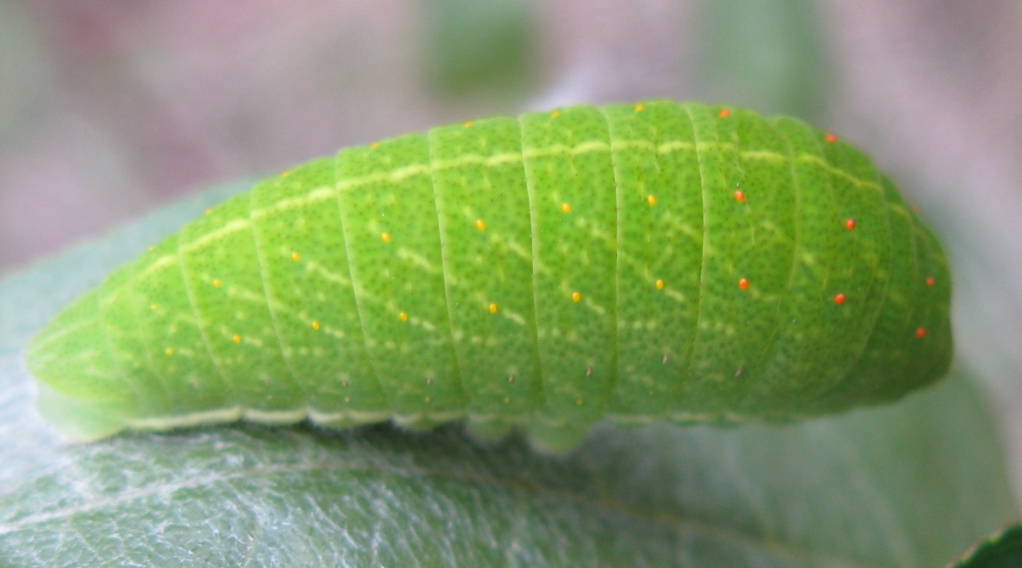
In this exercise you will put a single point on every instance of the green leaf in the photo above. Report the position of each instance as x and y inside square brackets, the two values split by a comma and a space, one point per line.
[906, 485]
[1002, 549]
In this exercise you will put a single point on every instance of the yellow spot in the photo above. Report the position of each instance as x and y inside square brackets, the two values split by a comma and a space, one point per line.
[154, 307]
[374, 145]
[208, 211]
[428, 399]
[651, 199]
[295, 256]
[236, 339]
[659, 284]
[480, 225]
[576, 297]
[555, 114]
[347, 399]
[385, 237]
[493, 308]
[315, 325]
[216, 283]
[285, 173]
[152, 248]
[169, 351]
[566, 207]
[468, 124]
[402, 316]
[639, 107]
[579, 402]
[507, 399]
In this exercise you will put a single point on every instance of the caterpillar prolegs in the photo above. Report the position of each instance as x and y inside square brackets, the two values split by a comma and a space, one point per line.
[642, 262]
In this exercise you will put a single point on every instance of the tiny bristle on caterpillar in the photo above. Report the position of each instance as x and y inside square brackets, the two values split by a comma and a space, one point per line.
[653, 261]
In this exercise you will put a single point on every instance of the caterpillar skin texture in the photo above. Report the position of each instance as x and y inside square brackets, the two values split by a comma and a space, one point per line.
[654, 261]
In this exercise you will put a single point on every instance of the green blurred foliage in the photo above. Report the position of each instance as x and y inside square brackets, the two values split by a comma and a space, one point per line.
[475, 46]
[765, 54]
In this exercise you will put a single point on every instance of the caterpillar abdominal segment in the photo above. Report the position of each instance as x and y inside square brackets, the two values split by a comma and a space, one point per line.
[655, 261]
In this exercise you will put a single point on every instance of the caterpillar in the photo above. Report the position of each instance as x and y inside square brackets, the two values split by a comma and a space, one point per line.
[642, 262]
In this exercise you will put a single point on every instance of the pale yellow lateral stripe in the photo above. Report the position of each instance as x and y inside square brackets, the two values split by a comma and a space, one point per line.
[217, 415]
[292, 416]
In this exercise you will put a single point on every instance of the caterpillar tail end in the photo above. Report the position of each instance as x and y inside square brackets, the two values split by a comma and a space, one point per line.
[80, 421]
[78, 389]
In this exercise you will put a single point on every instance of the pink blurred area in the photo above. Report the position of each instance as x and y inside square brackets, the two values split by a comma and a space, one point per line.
[109, 108]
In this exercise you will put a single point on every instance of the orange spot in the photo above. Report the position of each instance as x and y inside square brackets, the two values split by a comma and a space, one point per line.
[739, 196]
[579, 402]
[385, 237]
[216, 283]
[315, 325]
[153, 307]
[743, 284]
[169, 351]
[285, 173]
[555, 114]
[480, 225]
[921, 332]
[576, 297]
[402, 316]
[915, 209]
[468, 124]
[295, 256]
[639, 107]
[374, 145]
[651, 199]
[849, 224]
[566, 207]
[659, 284]
[930, 281]
[236, 339]
[492, 308]
[839, 299]
[724, 113]
[830, 138]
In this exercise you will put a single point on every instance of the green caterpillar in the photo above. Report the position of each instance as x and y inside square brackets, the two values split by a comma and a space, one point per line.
[654, 261]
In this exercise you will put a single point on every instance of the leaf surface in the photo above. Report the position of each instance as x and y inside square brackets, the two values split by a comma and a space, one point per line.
[912, 484]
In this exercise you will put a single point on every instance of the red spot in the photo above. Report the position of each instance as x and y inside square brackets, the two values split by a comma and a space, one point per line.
[920, 332]
[724, 113]
[849, 224]
[830, 138]
[930, 281]
[839, 299]
[739, 196]
[743, 284]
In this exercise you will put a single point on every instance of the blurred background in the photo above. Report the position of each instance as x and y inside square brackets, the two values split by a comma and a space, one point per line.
[109, 109]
